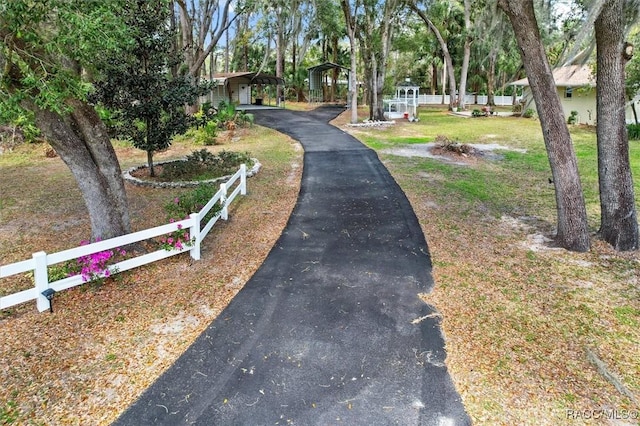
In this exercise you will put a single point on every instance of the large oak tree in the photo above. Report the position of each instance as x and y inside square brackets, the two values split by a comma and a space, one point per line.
[619, 220]
[45, 50]
[573, 232]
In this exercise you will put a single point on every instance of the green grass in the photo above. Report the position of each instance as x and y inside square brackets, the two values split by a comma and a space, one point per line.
[530, 310]
[627, 315]
[23, 155]
[496, 184]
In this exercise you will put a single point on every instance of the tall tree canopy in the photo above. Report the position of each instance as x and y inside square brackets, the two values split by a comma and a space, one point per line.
[49, 50]
[46, 47]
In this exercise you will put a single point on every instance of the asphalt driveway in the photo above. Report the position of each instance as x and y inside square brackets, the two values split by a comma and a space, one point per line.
[330, 329]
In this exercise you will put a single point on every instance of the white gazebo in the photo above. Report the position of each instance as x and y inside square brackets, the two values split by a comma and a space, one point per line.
[405, 103]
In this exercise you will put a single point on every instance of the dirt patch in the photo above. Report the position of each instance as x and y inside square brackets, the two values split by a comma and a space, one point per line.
[460, 154]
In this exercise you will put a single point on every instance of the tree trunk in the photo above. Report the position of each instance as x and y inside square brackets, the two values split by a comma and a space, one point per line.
[573, 232]
[152, 171]
[369, 62]
[373, 87]
[98, 142]
[353, 85]
[334, 78]
[491, 77]
[445, 53]
[379, 88]
[186, 32]
[466, 55]
[444, 85]
[178, 42]
[434, 79]
[388, 22]
[279, 54]
[463, 75]
[619, 221]
[82, 142]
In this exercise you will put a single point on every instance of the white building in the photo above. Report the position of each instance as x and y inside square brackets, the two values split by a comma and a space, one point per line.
[576, 87]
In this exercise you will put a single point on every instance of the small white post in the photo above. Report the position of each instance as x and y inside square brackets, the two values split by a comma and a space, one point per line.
[41, 278]
[194, 233]
[243, 179]
[224, 214]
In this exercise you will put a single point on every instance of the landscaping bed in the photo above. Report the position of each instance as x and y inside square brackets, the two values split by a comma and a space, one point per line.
[104, 344]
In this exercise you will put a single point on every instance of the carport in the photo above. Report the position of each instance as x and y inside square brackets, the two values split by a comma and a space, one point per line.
[318, 81]
[245, 88]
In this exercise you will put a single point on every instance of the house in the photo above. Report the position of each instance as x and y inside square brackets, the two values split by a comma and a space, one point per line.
[576, 87]
[244, 88]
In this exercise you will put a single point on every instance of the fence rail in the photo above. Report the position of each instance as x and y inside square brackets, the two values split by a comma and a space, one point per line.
[39, 263]
[469, 99]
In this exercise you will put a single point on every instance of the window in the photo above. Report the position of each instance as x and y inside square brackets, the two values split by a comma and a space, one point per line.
[568, 92]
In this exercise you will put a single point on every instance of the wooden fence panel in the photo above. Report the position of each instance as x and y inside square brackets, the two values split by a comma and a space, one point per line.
[41, 260]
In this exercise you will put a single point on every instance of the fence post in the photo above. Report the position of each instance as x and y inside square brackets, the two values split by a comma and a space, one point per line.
[194, 233]
[224, 214]
[243, 179]
[41, 278]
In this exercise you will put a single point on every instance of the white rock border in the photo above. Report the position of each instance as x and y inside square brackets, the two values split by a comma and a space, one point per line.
[184, 184]
[372, 123]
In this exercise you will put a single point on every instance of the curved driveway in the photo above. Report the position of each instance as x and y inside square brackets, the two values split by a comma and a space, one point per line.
[330, 329]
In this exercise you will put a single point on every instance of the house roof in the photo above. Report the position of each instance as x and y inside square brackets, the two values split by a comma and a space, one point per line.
[325, 66]
[407, 84]
[568, 76]
[254, 77]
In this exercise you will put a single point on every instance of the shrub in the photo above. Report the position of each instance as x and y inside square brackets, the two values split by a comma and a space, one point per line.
[203, 165]
[177, 240]
[244, 118]
[207, 134]
[529, 113]
[477, 113]
[191, 202]
[573, 117]
[94, 267]
[181, 207]
[226, 113]
[63, 270]
[634, 131]
[233, 159]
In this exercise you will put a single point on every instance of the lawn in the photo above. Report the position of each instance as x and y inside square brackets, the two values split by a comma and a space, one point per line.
[520, 318]
[103, 345]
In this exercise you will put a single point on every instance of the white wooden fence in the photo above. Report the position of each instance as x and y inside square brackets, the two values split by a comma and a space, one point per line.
[468, 99]
[40, 261]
